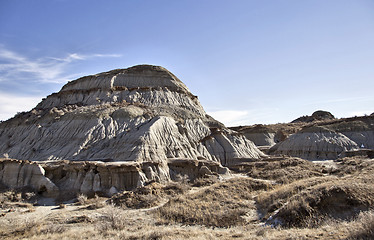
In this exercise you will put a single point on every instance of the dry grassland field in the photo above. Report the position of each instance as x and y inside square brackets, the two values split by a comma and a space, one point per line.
[275, 198]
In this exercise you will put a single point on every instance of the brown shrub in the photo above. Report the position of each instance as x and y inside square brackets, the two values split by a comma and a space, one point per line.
[147, 196]
[205, 181]
[82, 199]
[113, 219]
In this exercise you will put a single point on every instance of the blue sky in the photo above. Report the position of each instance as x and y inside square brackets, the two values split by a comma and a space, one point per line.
[249, 61]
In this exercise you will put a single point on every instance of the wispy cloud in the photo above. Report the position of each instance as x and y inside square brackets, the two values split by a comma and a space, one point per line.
[44, 69]
[12, 103]
[75, 56]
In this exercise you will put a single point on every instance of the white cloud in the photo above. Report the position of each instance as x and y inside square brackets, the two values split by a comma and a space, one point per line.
[11, 104]
[44, 69]
[231, 117]
[75, 56]
[359, 113]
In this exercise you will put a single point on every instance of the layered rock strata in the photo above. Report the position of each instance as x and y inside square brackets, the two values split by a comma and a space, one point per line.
[321, 138]
[65, 179]
[17, 174]
[315, 143]
[139, 115]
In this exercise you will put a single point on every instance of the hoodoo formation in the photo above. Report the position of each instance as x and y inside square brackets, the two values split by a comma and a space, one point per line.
[133, 125]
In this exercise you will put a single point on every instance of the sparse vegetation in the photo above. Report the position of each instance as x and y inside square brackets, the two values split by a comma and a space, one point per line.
[82, 199]
[363, 227]
[282, 170]
[221, 205]
[310, 202]
[148, 196]
[268, 205]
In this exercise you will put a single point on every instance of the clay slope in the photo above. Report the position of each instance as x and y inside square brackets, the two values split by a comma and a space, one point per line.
[321, 138]
[331, 139]
[142, 114]
[315, 143]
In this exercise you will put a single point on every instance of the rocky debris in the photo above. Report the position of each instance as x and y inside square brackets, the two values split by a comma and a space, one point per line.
[316, 116]
[143, 116]
[192, 169]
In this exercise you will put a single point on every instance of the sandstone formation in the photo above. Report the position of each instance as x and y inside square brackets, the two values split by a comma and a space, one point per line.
[141, 117]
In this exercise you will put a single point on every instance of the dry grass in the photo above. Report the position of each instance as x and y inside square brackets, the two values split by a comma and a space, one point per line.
[148, 196]
[82, 199]
[221, 205]
[363, 226]
[11, 201]
[310, 202]
[92, 203]
[336, 206]
[270, 201]
[354, 165]
[282, 170]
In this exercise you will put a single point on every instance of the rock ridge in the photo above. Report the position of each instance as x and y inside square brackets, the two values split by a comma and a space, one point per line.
[143, 115]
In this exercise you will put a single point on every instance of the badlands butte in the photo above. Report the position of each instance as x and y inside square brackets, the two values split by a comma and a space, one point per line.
[118, 130]
[127, 134]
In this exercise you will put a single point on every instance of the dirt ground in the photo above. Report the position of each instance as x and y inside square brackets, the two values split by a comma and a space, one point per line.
[334, 204]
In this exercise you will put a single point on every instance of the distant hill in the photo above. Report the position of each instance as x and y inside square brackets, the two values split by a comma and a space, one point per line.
[316, 116]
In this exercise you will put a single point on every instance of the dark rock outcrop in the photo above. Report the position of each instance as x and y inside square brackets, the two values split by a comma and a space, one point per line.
[316, 116]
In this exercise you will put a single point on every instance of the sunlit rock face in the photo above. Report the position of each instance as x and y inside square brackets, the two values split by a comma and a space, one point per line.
[140, 114]
[316, 143]
[143, 113]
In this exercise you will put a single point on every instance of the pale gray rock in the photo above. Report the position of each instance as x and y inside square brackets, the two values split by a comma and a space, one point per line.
[17, 174]
[261, 135]
[113, 190]
[144, 114]
[262, 138]
[138, 117]
[97, 183]
[204, 170]
[315, 143]
[364, 139]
